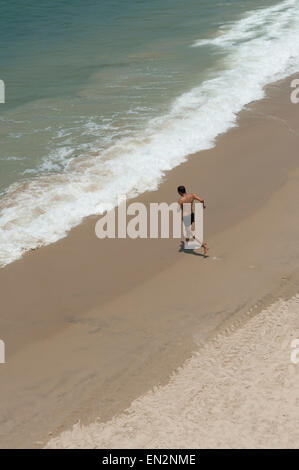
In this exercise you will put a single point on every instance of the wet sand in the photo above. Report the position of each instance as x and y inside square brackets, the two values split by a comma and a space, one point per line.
[90, 325]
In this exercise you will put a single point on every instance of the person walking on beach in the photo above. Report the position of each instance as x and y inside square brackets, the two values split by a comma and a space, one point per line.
[186, 202]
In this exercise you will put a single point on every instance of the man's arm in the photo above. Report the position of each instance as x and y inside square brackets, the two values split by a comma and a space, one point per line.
[200, 199]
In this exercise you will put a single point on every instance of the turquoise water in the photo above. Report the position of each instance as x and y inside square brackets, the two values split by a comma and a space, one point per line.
[107, 95]
[107, 67]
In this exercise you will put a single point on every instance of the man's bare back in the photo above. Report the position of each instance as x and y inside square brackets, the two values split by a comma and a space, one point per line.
[186, 202]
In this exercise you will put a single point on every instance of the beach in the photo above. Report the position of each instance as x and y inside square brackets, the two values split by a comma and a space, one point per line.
[95, 327]
[236, 392]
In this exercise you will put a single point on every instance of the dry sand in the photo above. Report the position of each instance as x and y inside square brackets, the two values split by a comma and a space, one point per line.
[90, 325]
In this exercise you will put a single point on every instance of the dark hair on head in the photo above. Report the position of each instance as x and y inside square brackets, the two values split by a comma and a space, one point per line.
[181, 189]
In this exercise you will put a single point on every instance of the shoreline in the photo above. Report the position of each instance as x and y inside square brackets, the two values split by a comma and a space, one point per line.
[108, 317]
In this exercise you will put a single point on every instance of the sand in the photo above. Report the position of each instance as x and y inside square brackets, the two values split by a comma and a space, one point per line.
[239, 391]
[91, 325]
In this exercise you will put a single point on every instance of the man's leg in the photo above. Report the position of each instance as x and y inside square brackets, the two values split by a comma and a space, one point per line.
[203, 244]
[188, 232]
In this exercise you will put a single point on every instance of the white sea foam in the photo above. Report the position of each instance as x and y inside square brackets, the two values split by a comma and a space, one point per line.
[267, 22]
[261, 48]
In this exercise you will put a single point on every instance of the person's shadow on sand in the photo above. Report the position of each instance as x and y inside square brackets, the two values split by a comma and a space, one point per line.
[182, 249]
